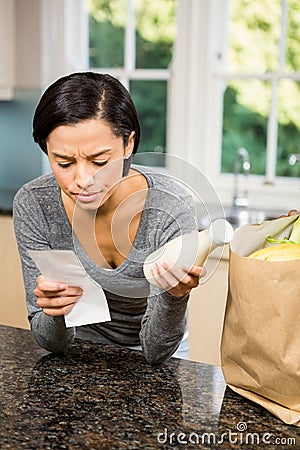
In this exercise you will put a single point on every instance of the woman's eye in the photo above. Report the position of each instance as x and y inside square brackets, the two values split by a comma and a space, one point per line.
[64, 165]
[100, 163]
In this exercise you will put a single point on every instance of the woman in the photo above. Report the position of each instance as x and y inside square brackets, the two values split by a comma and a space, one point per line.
[111, 214]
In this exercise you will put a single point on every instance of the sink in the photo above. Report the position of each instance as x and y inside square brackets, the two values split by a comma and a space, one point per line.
[240, 217]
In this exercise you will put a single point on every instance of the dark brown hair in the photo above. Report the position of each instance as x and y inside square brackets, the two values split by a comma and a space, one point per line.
[82, 96]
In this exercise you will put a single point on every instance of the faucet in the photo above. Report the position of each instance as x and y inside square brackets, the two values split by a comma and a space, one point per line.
[242, 156]
[294, 158]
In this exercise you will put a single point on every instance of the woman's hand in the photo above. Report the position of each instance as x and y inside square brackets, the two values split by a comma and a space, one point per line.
[55, 298]
[292, 212]
[177, 281]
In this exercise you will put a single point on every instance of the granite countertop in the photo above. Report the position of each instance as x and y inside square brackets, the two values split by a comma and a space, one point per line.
[108, 397]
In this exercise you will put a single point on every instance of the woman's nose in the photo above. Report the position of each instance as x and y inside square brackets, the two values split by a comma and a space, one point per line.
[84, 178]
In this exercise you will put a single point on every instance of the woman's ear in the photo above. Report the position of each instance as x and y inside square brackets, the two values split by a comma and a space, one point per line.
[130, 145]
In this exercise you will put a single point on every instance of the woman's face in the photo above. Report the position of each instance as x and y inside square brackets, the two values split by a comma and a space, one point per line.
[87, 160]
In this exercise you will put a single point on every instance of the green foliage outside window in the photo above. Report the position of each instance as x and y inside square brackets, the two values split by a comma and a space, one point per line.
[242, 127]
[155, 29]
[253, 39]
[253, 48]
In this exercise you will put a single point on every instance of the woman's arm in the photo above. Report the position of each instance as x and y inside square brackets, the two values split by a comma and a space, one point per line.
[163, 325]
[31, 228]
[165, 320]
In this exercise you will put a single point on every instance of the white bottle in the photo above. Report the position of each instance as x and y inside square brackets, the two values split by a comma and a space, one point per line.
[190, 249]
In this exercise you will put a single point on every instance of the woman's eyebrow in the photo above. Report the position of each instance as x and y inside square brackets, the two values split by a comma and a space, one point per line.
[101, 152]
[58, 155]
[94, 155]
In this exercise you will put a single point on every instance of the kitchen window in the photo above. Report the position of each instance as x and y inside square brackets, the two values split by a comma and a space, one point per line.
[261, 77]
[133, 41]
[229, 78]
[242, 89]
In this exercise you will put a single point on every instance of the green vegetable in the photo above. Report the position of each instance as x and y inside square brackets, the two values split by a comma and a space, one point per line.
[284, 240]
[295, 234]
[293, 239]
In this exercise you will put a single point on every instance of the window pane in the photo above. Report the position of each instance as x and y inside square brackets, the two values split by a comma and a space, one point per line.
[293, 37]
[246, 105]
[289, 127]
[254, 35]
[150, 98]
[106, 32]
[155, 31]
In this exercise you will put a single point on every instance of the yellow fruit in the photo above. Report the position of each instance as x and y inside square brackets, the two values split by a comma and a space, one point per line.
[280, 252]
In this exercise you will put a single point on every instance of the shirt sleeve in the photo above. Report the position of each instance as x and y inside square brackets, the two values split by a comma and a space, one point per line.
[165, 320]
[30, 229]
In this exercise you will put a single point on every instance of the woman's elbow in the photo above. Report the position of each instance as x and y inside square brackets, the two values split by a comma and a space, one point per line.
[50, 345]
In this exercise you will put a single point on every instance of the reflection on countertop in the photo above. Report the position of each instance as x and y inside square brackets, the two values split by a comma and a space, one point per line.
[108, 397]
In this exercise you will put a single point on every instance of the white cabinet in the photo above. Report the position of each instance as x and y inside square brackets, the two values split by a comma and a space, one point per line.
[7, 48]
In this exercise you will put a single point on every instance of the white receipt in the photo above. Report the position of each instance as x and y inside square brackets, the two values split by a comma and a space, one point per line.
[64, 266]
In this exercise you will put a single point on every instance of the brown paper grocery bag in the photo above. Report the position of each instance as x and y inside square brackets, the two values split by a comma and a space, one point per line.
[260, 349]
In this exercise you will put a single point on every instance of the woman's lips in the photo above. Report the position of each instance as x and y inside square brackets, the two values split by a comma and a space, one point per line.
[87, 197]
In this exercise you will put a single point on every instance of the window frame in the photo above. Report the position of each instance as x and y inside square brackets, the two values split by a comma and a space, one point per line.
[129, 72]
[202, 43]
[194, 127]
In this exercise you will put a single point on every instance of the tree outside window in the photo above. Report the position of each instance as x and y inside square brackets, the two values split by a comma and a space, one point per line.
[261, 109]
[133, 40]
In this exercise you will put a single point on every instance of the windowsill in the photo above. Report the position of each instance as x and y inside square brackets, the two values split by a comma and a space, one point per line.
[283, 195]
[280, 197]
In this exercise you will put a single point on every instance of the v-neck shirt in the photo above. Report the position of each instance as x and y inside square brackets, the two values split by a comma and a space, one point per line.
[140, 313]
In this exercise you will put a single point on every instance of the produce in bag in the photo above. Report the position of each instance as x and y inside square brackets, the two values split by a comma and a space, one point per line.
[285, 249]
[260, 348]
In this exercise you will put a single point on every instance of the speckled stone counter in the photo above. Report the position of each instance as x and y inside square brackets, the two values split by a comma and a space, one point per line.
[107, 397]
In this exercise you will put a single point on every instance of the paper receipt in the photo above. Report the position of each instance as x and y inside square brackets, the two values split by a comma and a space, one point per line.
[64, 266]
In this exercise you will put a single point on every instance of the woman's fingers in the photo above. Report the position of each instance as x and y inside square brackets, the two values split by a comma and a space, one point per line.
[177, 281]
[59, 311]
[56, 298]
[165, 278]
[197, 271]
[55, 288]
[70, 291]
[57, 302]
[292, 212]
[58, 306]
[49, 286]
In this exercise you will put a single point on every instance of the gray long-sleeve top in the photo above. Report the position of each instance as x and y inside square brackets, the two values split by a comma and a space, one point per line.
[140, 313]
